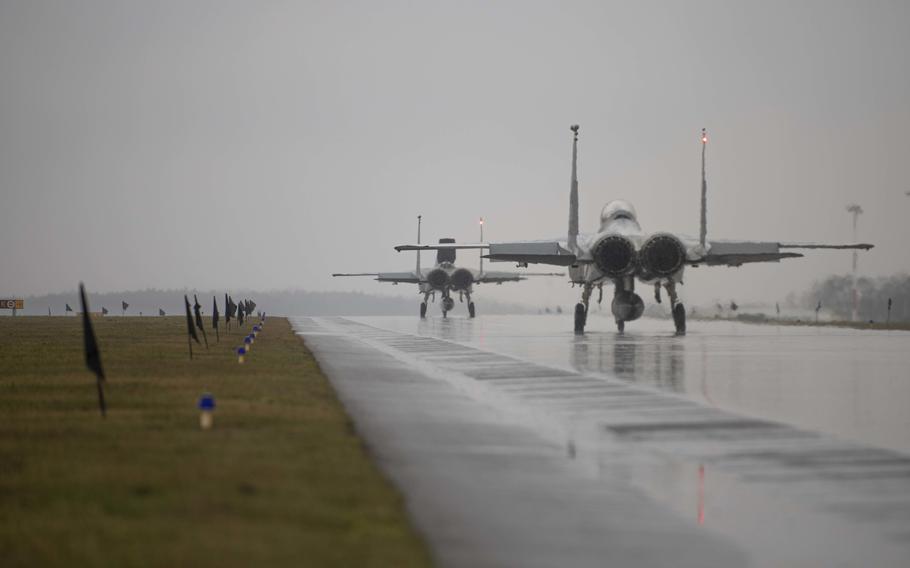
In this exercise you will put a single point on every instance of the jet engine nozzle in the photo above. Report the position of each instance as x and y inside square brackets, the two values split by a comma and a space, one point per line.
[661, 255]
[438, 278]
[627, 306]
[462, 279]
[614, 256]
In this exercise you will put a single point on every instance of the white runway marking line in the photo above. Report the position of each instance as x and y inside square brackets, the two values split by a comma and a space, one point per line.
[561, 405]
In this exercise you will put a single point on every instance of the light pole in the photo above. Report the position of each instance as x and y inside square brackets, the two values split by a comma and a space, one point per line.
[856, 211]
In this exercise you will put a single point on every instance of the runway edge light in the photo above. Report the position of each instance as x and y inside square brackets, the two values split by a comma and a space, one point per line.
[207, 409]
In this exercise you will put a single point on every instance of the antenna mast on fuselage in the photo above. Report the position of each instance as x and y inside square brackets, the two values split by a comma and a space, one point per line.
[573, 193]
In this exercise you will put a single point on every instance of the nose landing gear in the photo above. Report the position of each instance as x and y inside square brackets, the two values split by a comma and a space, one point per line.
[447, 304]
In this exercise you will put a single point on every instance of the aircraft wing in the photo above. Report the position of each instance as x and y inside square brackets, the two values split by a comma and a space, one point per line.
[394, 277]
[737, 253]
[494, 277]
[522, 252]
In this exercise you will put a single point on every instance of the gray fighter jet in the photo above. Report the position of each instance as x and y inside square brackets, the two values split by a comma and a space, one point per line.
[447, 279]
[620, 252]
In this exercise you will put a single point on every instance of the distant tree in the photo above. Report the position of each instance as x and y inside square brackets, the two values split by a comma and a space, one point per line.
[836, 295]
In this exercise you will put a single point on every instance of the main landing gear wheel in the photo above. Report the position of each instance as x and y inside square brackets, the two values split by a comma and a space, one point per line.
[679, 318]
[580, 317]
[423, 310]
[471, 309]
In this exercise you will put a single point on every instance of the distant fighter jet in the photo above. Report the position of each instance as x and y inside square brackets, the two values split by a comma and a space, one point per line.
[621, 252]
[445, 278]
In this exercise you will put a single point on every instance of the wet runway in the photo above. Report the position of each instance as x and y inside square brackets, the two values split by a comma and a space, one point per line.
[516, 442]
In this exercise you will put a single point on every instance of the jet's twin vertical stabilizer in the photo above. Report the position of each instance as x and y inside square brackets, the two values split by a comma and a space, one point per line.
[703, 230]
[573, 195]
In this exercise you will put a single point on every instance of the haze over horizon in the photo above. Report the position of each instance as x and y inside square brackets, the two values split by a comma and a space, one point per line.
[223, 144]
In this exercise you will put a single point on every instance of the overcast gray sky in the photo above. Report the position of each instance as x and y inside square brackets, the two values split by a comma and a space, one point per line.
[267, 144]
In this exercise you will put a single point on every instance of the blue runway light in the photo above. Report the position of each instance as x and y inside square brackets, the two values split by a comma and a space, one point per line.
[207, 406]
[207, 402]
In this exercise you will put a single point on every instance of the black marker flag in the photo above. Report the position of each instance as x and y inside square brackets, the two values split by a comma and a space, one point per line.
[227, 311]
[215, 318]
[103, 311]
[92, 354]
[123, 307]
[68, 308]
[196, 311]
[190, 329]
[161, 312]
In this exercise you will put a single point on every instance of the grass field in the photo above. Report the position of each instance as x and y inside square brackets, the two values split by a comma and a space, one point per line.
[282, 479]
[763, 320]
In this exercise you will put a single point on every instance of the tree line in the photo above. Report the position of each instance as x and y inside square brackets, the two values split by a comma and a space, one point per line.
[836, 296]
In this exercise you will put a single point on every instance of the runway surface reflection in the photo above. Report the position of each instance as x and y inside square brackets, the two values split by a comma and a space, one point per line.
[788, 444]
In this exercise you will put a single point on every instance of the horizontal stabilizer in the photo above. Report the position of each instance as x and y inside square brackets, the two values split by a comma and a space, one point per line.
[394, 277]
[740, 259]
[531, 252]
[491, 277]
[356, 274]
[737, 253]
[441, 246]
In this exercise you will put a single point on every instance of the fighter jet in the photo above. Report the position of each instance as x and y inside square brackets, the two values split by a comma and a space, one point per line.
[621, 252]
[447, 279]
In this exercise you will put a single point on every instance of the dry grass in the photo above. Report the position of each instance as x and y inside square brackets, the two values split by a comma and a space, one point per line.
[281, 480]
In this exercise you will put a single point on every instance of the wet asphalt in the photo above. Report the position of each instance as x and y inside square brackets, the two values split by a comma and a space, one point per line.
[518, 443]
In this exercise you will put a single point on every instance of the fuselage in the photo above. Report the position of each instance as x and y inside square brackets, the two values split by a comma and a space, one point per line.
[446, 277]
[621, 251]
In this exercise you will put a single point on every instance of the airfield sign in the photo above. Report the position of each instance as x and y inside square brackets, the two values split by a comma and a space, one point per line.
[12, 303]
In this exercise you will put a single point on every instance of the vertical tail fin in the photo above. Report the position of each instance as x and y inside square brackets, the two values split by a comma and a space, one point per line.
[419, 217]
[573, 193]
[481, 251]
[703, 231]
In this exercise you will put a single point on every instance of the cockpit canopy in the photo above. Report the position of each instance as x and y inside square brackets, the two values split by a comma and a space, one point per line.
[617, 209]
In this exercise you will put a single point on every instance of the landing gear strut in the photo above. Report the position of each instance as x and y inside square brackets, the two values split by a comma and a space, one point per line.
[423, 305]
[679, 310]
[581, 309]
[580, 318]
[471, 312]
[679, 319]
